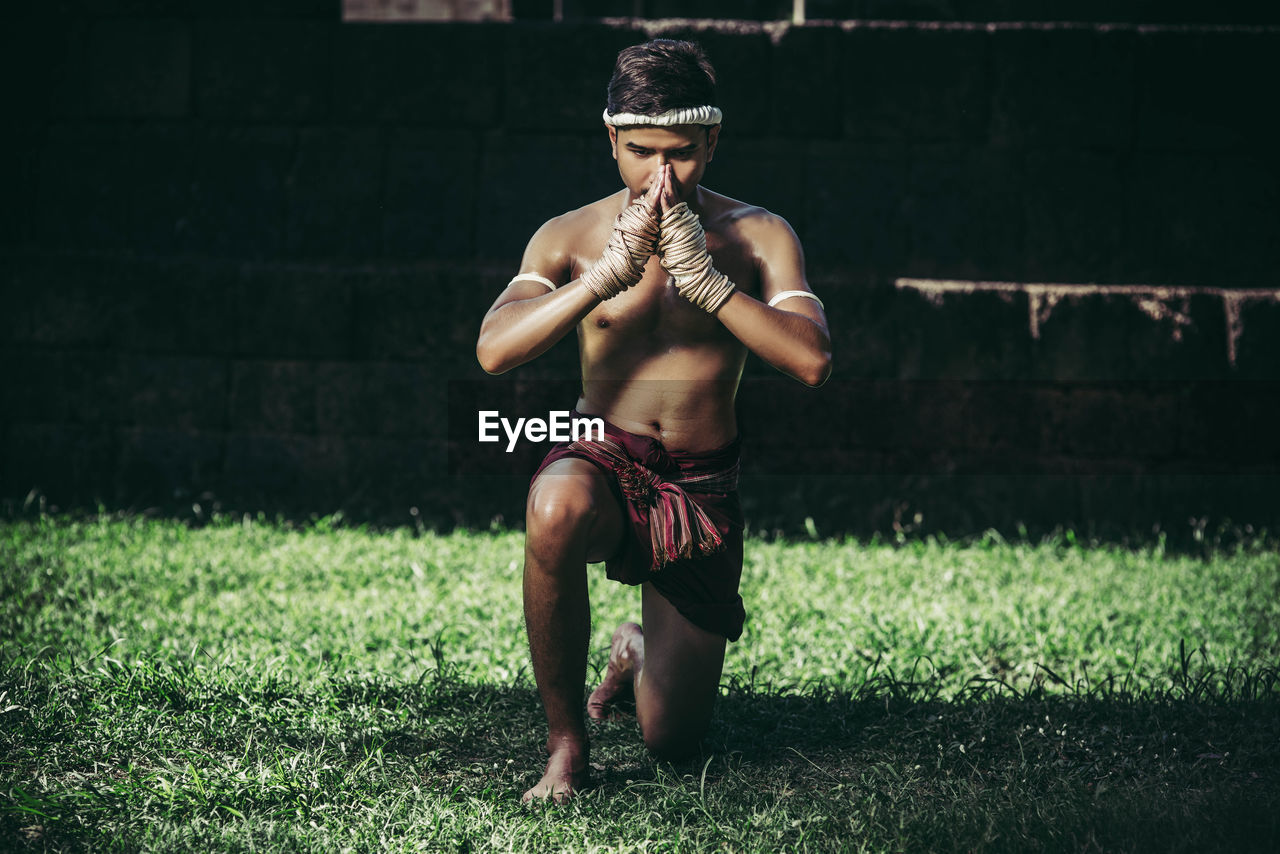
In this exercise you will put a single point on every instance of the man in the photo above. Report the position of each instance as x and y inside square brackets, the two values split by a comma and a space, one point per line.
[668, 285]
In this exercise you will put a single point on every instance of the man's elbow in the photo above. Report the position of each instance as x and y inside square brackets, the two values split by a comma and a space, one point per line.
[816, 371]
[490, 359]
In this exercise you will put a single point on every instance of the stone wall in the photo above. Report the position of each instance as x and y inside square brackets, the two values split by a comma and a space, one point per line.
[247, 247]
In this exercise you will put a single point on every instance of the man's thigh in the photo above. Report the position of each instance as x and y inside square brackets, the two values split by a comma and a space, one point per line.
[681, 676]
[570, 488]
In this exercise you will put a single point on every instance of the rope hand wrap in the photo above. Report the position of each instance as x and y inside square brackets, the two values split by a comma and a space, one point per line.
[634, 239]
[682, 250]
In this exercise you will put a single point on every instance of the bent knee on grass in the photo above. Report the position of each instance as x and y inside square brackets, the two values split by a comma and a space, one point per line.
[674, 742]
[570, 503]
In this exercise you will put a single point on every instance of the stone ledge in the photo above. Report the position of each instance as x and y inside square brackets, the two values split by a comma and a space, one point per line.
[1170, 308]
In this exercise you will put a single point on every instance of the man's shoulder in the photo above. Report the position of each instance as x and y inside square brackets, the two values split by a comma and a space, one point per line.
[751, 221]
[586, 218]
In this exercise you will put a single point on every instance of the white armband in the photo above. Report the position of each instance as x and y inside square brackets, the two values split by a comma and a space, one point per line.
[785, 295]
[532, 277]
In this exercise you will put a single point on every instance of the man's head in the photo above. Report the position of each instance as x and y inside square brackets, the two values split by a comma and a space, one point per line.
[661, 75]
[663, 79]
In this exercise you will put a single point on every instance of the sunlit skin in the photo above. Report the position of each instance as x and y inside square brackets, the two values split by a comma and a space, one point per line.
[656, 365]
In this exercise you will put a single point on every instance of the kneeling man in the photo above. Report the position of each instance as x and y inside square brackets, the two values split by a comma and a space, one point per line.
[668, 285]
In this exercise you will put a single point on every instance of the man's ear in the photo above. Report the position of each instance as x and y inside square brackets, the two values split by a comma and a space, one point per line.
[613, 140]
[713, 136]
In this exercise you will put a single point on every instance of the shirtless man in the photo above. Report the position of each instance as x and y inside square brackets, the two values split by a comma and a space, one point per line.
[668, 285]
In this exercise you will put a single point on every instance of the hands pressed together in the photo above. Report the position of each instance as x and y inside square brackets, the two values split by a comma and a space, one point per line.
[657, 224]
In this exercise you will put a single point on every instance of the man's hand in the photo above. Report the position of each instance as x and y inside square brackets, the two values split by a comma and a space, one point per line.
[634, 239]
[682, 251]
[663, 190]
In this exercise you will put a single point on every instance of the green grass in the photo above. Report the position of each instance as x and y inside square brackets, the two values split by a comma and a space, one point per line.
[249, 685]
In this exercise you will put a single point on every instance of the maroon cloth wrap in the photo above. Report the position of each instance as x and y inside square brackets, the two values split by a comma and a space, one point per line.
[684, 518]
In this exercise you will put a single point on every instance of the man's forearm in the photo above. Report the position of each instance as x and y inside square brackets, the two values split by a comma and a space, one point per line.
[521, 330]
[793, 343]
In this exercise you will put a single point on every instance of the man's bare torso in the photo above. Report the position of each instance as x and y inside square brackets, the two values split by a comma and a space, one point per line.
[652, 363]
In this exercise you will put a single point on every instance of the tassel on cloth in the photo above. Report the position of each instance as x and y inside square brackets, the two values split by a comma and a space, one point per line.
[678, 527]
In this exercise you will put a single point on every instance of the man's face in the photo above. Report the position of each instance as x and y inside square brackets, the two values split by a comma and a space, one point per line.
[642, 151]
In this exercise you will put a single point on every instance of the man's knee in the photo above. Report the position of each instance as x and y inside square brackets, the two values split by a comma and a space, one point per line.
[674, 742]
[561, 507]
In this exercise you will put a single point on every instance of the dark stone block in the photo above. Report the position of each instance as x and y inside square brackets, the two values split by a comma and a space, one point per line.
[431, 195]
[1257, 343]
[601, 176]
[1178, 336]
[768, 173]
[1133, 422]
[747, 10]
[1203, 220]
[263, 70]
[908, 10]
[69, 464]
[396, 474]
[117, 9]
[334, 204]
[31, 54]
[381, 399]
[580, 9]
[744, 64]
[855, 216]
[524, 181]
[239, 202]
[324, 10]
[949, 335]
[169, 392]
[164, 465]
[306, 471]
[411, 74]
[93, 383]
[114, 187]
[273, 397]
[964, 214]
[139, 68]
[20, 151]
[557, 76]
[912, 84]
[1199, 89]
[1231, 426]
[1062, 86]
[430, 315]
[171, 307]
[1016, 427]
[32, 385]
[1074, 206]
[807, 87]
[67, 303]
[1083, 336]
[293, 314]
[864, 324]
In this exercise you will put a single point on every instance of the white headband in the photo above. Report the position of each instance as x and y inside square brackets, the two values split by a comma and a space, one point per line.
[681, 116]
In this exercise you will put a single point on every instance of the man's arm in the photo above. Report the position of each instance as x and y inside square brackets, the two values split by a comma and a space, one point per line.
[793, 337]
[527, 319]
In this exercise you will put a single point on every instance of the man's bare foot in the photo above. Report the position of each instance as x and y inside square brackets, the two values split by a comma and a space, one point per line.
[566, 775]
[626, 658]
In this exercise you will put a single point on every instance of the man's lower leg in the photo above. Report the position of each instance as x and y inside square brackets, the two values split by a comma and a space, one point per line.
[558, 619]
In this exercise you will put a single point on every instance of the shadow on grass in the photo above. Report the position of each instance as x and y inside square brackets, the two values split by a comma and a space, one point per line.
[1108, 768]
[1193, 768]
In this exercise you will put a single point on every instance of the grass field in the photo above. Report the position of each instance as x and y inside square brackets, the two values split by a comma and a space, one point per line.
[255, 686]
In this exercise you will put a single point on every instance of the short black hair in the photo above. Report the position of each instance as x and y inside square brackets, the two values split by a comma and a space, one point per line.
[660, 75]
